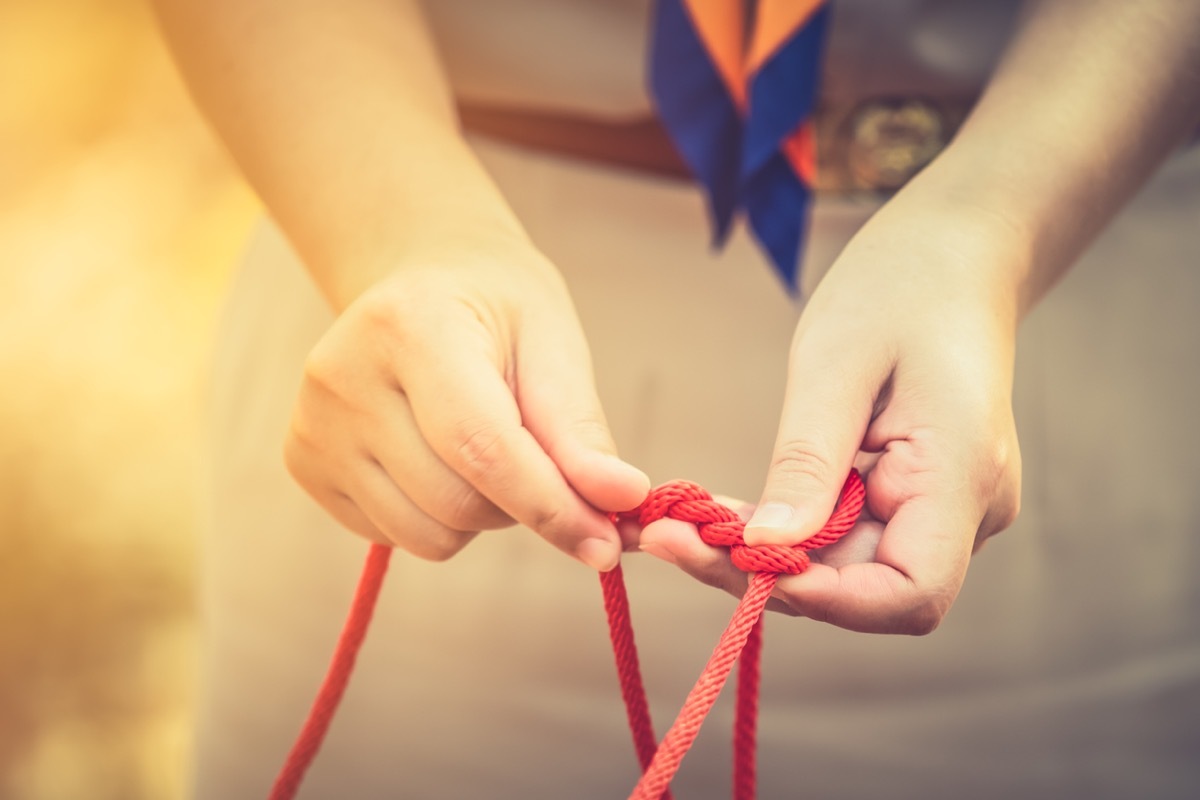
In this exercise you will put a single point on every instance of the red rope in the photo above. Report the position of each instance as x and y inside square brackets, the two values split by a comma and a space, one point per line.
[704, 694]
[718, 526]
[340, 668]
[633, 692]
[745, 726]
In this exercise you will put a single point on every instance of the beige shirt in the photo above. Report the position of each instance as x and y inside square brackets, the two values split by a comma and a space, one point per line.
[1067, 669]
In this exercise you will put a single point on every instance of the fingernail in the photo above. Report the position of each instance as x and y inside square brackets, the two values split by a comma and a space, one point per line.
[773, 516]
[658, 551]
[599, 554]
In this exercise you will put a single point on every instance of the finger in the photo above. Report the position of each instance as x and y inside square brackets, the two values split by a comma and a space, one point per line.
[679, 543]
[988, 475]
[631, 531]
[919, 565]
[398, 518]
[468, 414]
[1003, 511]
[306, 469]
[362, 400]
[424, 478]
[858, 546]
[827, 405]
[368, 503]
[348, 514]
[558, 401]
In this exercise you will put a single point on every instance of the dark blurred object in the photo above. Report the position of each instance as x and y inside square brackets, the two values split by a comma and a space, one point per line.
[889, 141]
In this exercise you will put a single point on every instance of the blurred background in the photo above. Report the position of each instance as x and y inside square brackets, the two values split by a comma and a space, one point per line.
[119, 221]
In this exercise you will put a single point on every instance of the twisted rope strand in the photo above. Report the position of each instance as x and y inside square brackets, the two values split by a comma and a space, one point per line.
[633, 691]
[745, 725]
[336, 679]
[718, 526]
[700, 700]
[721, 527]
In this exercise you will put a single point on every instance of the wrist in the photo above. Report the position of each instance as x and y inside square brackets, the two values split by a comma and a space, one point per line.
[930, 252]
[346, 279]
[995, 191]
[428, 195]
[496, 266]
[478, 248]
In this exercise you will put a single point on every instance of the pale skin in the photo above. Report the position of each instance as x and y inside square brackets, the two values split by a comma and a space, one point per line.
[454, 392]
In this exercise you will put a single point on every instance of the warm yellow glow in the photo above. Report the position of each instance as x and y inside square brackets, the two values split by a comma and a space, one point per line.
[119, 220]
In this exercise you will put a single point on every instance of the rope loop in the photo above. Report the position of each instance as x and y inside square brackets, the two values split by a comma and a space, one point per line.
[719, 526]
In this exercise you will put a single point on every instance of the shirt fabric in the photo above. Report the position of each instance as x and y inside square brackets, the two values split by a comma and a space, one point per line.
[1068, 668]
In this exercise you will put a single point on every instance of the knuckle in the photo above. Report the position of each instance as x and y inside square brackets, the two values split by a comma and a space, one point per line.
[1009, 512]
[303, 432]
[400, 321]
[443, 547]
[592, 429]
[480, 448]
[925, 615]
[999, 463]
[548, 520]
[1000, 517]
[394, 327]
[297, 460]
[387, 309]
[470, 510]
[922, 620]
[382, 312]
[324, 370]
[430, 543]
[801, 461]
[999, 484]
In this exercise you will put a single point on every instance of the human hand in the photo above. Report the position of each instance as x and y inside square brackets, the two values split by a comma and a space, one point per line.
[902, 366]
[455, 395]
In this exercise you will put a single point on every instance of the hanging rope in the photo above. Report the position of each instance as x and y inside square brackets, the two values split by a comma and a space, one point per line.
[340, 668]
[633, 692]
[718, 526]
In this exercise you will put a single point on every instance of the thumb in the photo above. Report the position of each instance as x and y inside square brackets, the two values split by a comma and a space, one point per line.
[826, 408]
[561, 408]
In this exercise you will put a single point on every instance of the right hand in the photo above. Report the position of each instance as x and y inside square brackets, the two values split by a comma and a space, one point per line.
[455, 395]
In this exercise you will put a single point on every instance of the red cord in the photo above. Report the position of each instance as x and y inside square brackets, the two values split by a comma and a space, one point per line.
[704, 694]
[340, 668]
[633, 691]
[718, 526]
[745, 725]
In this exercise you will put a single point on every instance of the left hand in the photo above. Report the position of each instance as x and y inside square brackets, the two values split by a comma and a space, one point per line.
[902, 366]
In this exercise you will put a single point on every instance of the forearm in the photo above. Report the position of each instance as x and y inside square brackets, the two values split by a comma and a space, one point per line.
[1090, 97]
[340, 117]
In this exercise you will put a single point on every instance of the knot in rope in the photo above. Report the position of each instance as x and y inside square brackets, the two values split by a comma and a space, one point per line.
[720, 526]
